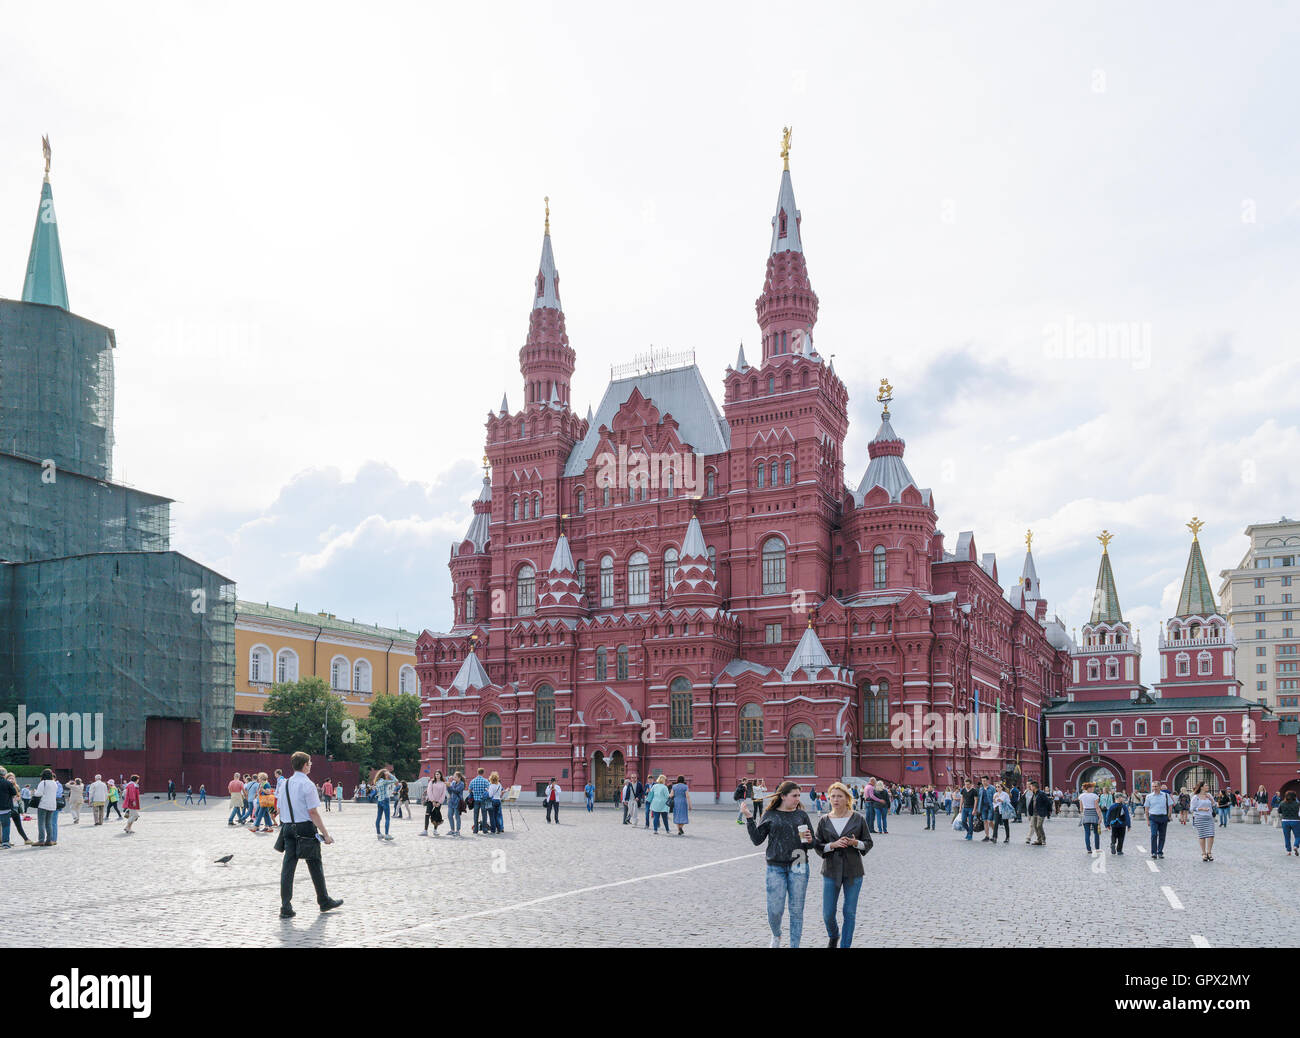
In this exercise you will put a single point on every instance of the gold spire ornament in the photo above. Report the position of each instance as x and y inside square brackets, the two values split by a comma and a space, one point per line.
[547, 202]
[1106, 537]
[885, 395]
[785, 146]
[45, 149]
[486, 466]
[1195, 526]
[1029, 540]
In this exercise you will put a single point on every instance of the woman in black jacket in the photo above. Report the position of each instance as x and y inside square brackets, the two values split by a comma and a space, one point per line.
[788, 832]
[842, 840]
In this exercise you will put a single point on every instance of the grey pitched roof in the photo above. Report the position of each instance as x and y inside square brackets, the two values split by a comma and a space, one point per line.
[505, 407]
[741, 363]
[887, 471]
[1029, 577]
[738, 666]
[680, 392]
[1160, 705]
[785, 203]
[470, 675]
[562, 560]
[809, 656]
[550, 295]
[477, 534]
[693, 544]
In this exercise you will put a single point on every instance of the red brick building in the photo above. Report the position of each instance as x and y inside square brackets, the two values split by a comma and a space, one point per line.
[666, 586]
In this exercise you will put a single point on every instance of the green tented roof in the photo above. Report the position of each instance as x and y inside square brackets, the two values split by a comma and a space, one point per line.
[1196, 598]
[1105, 600]
[45, 282]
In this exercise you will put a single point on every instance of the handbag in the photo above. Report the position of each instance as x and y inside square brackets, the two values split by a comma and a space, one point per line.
[308, 847]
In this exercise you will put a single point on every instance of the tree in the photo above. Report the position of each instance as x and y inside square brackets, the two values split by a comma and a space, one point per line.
[393, 728]
[298, 711]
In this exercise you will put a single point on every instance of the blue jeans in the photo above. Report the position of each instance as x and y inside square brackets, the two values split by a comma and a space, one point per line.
[786, 882]
[1090, 834]
[453, 815]
[262, 812]
[966, 813]
[54, 826]
[384, 811]
[236, 813]
[658, 815]
[1158, 824]
[591, 802]
[882, 813]
[1223, 816]
[930, 813]
[495, 810]
[647, 812]
[1290, 828]
[44, 824]
[830, 895]
[482, 815]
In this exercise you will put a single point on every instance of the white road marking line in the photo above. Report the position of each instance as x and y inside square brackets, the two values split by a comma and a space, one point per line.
[1200, 941]
[550, 897]
[1152, 865]
[1172, 898]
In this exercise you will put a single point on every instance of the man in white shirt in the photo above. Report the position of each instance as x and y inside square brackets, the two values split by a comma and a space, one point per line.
[300, 818]
[1159, 805]
[98, 798]
[629, 798]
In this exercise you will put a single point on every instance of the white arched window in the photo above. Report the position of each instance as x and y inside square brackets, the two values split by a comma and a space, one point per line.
[773, 566]
[1117, 727]
[514, 509]
[361, 676]
[340, 671]
[580, 500]
[407, 682]
[1204, 664]
[760, 475]
[286, 665]
[606, 581]
[1193, 726]
[638, 579]
[670, 569]
[1092, 728]
[710, 483]
[1069, 730]
[259, 665]
[1112, 668]
[526, 590]
[1166, 726]
[878, 566]
[1140, 728]
[1220, 726]
[1094, 670]
[1182, 665]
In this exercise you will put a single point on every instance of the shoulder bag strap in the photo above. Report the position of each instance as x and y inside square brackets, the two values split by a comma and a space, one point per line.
[288, 799]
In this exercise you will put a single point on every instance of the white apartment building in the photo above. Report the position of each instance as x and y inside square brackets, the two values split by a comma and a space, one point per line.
[1259, 598]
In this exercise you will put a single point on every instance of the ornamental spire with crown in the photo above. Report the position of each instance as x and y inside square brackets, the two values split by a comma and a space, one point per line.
[695, 583]
[788, 305]
[886, 469]
[546, 360]
[1196, 597]
[1105, 600]
[45, 282]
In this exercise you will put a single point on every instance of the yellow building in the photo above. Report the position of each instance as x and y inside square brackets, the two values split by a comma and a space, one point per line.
[272, 644]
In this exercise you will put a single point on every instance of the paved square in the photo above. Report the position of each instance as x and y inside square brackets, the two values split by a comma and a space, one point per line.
[591, 881]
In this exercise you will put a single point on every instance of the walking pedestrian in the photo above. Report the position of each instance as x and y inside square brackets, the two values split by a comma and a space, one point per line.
[115, 799]
[738, 797]
[1202, 806]
[266, 801]
[76, 797]
[645, 795]
[1090, 817]
[384, 783]
[590, 791]
[1002, 812]
[171, 790]
[1184, 806]
[1288, 811]
[327, 793]
[1119, 820]
[299, 808]
[658, 802]
[189, 794]
[131, 801]
[455, 802]
[98, 794]
[842, 841]
[969, 797]
[435, 795]
[552, 796]
[46, 798]
[628, 797]
[986, 809]
[10, 814]
[1039, 806]
[787, 830]
[1158, 806]
[681, 805]
[931, 807]
[236, 789]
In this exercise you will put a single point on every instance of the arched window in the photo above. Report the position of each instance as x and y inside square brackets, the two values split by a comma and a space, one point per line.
[875, 711]
[470, 615]
[781, 230]
[491, 736]
[1220, 726]
[1203, 663]
[771, 384]
[638, 579]
[789, 470]
[772, 474]
[1117, 727]
[622, 663]
[526, 590]
[580, 499]
[681, 715]
[514, 509]
[286, 665]
[878, 566]
[602, 663]
[340, 672]
[1193, 726]
[670, 568]
[671, 483]
[710, 483]
[544, 718]
[537, 506]
[803, 757]
[1092, 728]
[407, 681]
[1167, 726]
[455, 754]
[605, 497]
[259, 665]
[1094, 670]
[1183, 665]
[1140, 728]
[1069, 730]
[773, 566]
[606, 581]
[361, 676]
[1112, 669]
[751, 728]
[760, 475]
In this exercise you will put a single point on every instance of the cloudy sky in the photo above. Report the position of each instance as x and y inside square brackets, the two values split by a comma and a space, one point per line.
[315, 230]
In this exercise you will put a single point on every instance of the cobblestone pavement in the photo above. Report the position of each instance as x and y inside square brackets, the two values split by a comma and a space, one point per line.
[591, 881]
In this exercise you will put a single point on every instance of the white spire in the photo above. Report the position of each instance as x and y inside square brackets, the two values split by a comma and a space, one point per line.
[789, 241]
[470, 675]
[546, 292]
[562, 560]
[505, 407]
[741, 363]
[555, 397]
[694, 545]
[809, 656]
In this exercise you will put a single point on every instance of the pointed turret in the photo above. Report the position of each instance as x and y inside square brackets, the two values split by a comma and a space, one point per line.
[809, 657]
[562, 594]
[886, 468]
[477, 534]
[546, 359]
[1105, 600]
[741, 363]
[1196, 597]
[45, 282]
[471, 676]
[788, 303]
[695, 583]
[505, 407]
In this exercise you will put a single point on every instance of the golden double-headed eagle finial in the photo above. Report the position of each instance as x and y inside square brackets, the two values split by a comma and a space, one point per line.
[1029, 540]
[547, 202]
[786, 131]
[885, 395]
[45, 149]
[1195, 526]
[1106, 537]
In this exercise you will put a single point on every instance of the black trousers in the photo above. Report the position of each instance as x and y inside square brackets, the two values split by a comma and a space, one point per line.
[112, 806]
[553, 807]
[1117, 837]
[432, 813]
[315, 867]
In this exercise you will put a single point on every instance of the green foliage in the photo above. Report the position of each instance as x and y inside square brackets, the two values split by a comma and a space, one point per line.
[297, 716]
[393, 728]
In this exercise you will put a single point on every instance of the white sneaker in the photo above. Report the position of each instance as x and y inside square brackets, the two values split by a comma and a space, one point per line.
[775, 942]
